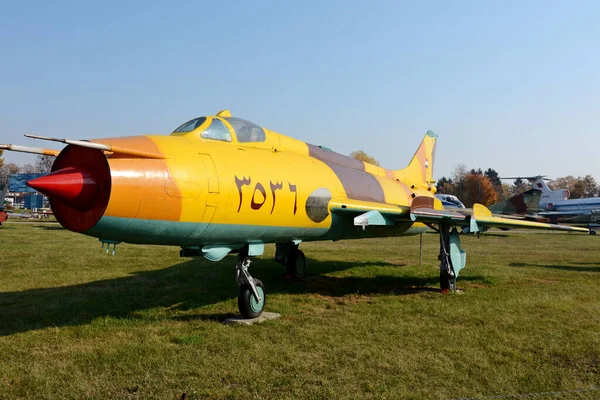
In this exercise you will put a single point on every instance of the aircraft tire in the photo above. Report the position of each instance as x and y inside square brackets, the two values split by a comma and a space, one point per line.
[297, 264]
[447, 282]
[593, 233]
[247, 304]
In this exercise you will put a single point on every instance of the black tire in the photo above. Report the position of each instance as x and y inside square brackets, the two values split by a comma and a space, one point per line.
[247, 304]
[297, 264]
[447, 282]
[593, 233]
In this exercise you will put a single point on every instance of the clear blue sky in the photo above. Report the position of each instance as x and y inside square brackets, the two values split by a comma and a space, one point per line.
[510, 85]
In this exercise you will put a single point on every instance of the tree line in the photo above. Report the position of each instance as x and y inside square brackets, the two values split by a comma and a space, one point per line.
[42, 165]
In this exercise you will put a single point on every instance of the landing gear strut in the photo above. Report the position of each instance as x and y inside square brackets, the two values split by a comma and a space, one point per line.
[251, 295]
[452, 258]
[294, 260]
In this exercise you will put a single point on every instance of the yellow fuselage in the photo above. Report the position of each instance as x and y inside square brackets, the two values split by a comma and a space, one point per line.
[212, 192]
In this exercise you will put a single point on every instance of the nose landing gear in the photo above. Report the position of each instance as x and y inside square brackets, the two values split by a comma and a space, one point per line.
[251, 295]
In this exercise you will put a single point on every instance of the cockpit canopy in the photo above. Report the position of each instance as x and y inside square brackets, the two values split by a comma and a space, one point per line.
[450, 200]
[247, 131]
[223, 129]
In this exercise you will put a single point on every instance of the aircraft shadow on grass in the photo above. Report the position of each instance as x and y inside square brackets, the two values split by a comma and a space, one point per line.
[594, 267]
[187, 285]
[50, 227]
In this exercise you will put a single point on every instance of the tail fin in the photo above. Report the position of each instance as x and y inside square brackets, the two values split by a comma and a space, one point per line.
[540, 184]
[419, 172]
[549, 196]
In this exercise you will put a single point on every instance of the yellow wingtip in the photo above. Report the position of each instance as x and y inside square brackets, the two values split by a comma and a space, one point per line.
[480, 210]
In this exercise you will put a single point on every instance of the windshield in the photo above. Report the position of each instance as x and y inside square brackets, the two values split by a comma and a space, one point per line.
[217, 131]
[190, 125]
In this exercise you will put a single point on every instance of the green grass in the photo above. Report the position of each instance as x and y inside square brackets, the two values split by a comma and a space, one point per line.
[367, 322]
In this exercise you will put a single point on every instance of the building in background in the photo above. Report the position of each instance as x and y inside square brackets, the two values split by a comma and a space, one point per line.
[22, 195]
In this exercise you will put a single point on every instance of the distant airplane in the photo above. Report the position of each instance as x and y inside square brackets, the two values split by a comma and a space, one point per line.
[554, 205]
[220, 185]
[31, 214]
[449, 200]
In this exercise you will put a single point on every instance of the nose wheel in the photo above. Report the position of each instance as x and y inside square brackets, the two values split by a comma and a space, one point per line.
[251, 292]
[248, 305]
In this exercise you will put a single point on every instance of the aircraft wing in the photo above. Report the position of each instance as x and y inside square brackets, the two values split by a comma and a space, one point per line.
[369, 212]
[479, 218]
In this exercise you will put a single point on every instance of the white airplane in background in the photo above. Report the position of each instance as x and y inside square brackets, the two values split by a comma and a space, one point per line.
[449, 201]
[556, 205]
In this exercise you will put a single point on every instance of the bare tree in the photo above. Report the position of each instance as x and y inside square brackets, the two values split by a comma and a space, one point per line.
[29, 169]
[579, 187]
[363, 156]
[459, 173]
[9, 169]
[44, 164]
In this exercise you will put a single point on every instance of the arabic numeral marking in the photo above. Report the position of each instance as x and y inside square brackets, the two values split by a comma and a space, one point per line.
[258, 187]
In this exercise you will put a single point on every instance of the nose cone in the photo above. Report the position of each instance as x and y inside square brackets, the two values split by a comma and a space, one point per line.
[74, 186]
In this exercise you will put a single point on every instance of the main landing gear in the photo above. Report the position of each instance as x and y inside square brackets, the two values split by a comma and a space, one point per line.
[251, 296]
[294, 260]
[452, 258]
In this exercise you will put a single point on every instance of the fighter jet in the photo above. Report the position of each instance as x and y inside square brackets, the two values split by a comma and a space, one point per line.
[221, 184]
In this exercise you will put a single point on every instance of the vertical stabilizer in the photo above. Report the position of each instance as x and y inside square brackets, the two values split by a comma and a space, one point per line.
[419, 172]
[540, 184]
[550, 197]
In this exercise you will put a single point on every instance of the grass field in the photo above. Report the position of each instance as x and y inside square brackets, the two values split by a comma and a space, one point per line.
[367, 322]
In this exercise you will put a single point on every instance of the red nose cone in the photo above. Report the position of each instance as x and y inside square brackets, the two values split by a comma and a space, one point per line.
[74, 186]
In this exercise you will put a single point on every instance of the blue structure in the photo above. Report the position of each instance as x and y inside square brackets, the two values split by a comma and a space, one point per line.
[33, 201]
[17, 182]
